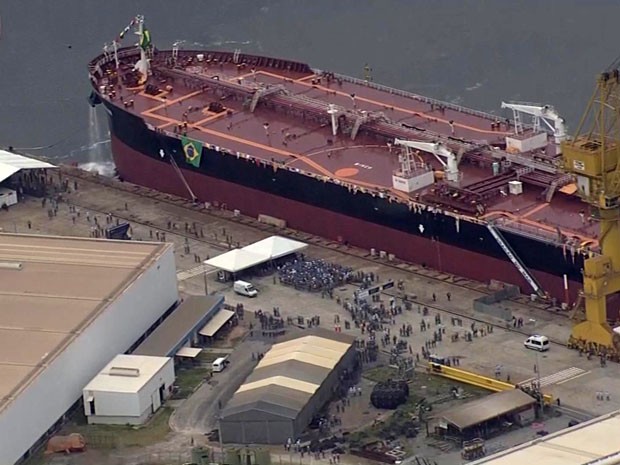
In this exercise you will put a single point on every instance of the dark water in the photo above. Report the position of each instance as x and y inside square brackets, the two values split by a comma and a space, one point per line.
[476, 53]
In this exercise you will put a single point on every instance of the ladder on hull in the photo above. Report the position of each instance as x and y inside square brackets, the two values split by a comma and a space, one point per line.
[516, 261]
[180, 173]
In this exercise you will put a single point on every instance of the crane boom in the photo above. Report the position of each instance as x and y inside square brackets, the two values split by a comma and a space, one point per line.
[544, 112]
[440, 151]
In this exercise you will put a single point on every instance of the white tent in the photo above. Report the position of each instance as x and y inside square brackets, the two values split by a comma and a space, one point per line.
[11, 163]
[237, 260]
[276, 247]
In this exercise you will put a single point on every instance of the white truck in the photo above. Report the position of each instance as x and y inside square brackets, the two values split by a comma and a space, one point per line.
[8, 197]
[245, 288]
[219, 364]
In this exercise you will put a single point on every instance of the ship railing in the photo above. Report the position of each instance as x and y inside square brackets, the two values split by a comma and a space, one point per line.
[104, 59]
[419, 98]
[534, 233]
[382, 193]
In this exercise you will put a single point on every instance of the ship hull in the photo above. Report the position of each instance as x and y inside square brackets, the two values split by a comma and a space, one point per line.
[425, 236]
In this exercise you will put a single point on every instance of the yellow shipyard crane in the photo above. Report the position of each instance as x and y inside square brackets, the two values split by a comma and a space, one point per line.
[593, 157]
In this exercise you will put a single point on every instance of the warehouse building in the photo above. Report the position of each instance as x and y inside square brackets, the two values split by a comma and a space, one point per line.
[181, 331]
[69, 305]
[128, 390]
[292, 382]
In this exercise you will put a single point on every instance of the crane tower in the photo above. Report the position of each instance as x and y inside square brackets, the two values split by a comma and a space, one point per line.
[593, 157]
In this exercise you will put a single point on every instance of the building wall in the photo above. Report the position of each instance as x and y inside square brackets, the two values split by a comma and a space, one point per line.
[192, 339]
[325, 392]
[257, 431]
[164, 376]
[525, 416]
[261, 428]
[112, 404]
[118, 420]
[130, 407]
[51, 394]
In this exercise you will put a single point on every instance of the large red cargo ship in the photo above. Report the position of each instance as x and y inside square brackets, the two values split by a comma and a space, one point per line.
[428, 181]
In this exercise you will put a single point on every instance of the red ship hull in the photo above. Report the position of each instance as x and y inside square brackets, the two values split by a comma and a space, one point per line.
[440, 256]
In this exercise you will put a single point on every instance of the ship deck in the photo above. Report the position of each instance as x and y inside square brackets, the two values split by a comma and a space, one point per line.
[289, 129]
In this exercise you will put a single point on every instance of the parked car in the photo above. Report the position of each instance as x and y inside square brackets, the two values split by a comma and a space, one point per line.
[537, 342]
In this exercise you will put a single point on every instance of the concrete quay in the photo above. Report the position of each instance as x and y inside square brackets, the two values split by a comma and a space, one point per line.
[155, 216]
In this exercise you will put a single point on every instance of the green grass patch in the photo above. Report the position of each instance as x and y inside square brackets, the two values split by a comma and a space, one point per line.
[207, 358]
[187, 379]
[116, 436]
[380, 374]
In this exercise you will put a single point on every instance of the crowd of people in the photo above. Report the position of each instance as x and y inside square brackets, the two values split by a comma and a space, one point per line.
[314, 275]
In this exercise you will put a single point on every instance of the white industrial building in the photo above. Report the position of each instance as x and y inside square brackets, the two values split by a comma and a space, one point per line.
[588, 443]
[68, 307]
[128, 390]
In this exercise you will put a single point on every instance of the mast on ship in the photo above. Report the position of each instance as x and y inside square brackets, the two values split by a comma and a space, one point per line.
[144, 44]
[143, 65]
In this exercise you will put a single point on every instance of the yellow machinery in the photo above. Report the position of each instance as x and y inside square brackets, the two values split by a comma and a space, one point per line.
[474, 379]
[593, 157]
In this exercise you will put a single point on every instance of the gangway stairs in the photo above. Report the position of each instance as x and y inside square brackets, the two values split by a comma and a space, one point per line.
[516, 261]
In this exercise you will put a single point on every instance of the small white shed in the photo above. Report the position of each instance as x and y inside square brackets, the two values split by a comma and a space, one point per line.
[128, 390]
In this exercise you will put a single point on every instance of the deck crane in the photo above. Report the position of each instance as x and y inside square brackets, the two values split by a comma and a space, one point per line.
[441, 152]
[593, 157]
[544, 113]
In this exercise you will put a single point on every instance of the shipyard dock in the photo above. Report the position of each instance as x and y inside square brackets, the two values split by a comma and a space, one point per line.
[154, 216]
[92, 202]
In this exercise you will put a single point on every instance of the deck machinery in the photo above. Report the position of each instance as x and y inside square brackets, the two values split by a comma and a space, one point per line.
[593, 157]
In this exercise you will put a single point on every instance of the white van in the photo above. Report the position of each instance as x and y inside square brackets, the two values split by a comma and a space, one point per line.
[245, 288]
[537, 342]
[219, 364]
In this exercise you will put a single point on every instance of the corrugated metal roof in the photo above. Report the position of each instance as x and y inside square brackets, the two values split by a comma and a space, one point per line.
[484, 409]
[313, 350]
[11, 163]
[269, 404]
[293, 369]
[289, 375]
[312, 340]
[308, 349]
[283, 381]
[216, 322]
[276, 400]
[191, 313]
[65, 284]
[578, 445]
[188, 352]
[302, 357]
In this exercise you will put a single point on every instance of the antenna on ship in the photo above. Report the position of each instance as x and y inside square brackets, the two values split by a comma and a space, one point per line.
[175, 52]
[332, 112]
[236, 55]
[367, 71]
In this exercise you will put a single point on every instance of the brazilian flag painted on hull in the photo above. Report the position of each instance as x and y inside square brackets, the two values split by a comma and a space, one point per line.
[193, 151]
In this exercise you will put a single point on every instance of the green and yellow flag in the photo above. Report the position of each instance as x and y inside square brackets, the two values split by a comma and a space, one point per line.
[193, 151]
[145, 39]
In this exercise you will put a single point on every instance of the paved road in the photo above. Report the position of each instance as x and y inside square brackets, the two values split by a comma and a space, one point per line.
[198, 414]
